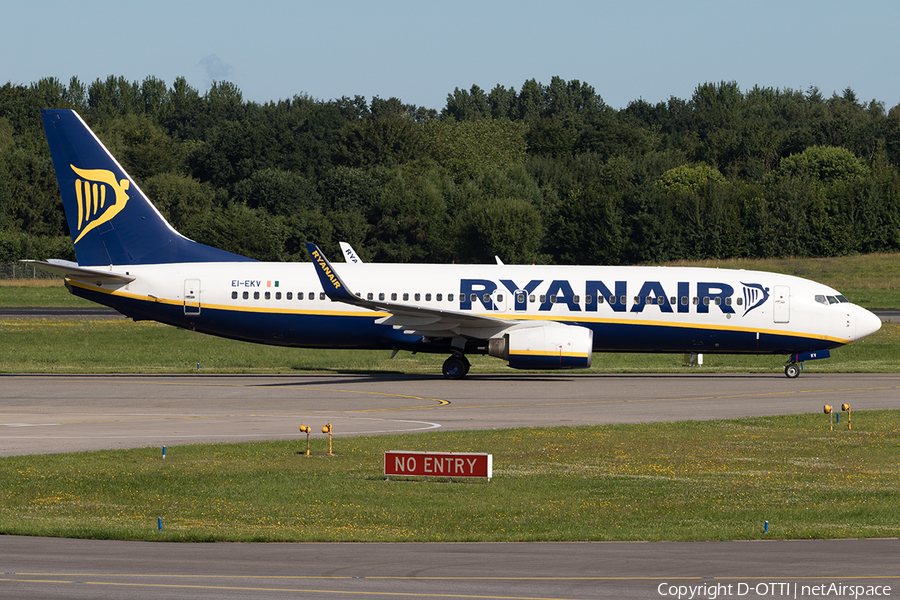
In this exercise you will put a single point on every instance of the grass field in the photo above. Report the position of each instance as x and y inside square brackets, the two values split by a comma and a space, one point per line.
[117, 346]
[870, 280]
[712, 480]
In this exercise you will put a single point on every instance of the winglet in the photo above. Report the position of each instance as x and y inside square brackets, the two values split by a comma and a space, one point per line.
[334, 287]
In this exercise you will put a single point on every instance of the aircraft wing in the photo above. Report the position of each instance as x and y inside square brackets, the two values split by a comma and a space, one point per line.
[71, 270]
[412, 319]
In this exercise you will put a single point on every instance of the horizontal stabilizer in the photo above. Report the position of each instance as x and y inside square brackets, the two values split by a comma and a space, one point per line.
[71, 270]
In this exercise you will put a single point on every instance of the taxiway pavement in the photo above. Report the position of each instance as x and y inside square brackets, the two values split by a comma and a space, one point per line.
[44, 414]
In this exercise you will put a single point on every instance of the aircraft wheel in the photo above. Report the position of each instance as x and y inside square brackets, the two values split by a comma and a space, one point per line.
[792, 370]
[455, 367]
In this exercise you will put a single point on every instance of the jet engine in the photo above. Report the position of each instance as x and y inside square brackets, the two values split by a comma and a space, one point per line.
[544, 346]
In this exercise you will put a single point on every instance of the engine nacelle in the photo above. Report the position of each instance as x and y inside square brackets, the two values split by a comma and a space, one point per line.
[544, 346]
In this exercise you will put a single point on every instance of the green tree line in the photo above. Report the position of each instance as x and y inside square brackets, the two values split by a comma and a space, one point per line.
[545, 173]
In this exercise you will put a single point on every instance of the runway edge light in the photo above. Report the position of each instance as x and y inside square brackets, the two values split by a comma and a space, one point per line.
[327, 429]
[305, 429]
[846, 407]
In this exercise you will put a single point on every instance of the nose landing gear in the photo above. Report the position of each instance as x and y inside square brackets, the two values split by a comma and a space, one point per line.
[795, 362]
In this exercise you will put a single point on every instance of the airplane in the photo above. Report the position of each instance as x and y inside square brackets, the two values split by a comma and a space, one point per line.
[532, 316]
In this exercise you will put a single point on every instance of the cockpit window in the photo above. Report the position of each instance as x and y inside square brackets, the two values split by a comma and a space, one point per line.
[823, 299]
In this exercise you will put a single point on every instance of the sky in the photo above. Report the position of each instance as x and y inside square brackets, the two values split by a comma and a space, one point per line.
[420, 51]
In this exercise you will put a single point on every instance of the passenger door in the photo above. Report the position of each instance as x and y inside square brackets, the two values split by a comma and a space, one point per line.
[782, 298]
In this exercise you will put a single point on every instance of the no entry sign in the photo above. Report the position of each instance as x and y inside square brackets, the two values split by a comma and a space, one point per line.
[438, 464]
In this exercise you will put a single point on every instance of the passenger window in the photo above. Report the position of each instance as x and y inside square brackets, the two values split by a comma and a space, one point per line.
[648, 300]
[728, 301]
[427, 297]
[234, 295]
[660, 300]
[740, 301]
[552, 298]
[369, 296]
[268, 295]
[418, 296]
[405, 296]
[588, 298]
[381, 295]
[718, 300]
[393, 295]
[439, 296]
[299, 295]
[449, 297]
[684, 300]
[321, 295]
[621, 300]
[520, 298]
[473, 297]
[543, 298]
[705, 300]
[312, 295]
[637, 299]
[289, 295]
[612, 300]
[499, 297]
[673, 300]
[487, 298]
[531, 298]
[696, 300]
[256, 295]
[278, 295]
[576, 299]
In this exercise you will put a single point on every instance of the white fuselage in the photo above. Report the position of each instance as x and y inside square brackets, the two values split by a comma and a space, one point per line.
[650, 309]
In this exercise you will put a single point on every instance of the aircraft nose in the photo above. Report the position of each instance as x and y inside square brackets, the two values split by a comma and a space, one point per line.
[867, 323]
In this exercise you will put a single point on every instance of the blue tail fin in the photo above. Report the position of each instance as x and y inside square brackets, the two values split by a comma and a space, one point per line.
[111, 220]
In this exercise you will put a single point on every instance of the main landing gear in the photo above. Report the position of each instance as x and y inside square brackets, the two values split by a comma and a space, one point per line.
[455, 367]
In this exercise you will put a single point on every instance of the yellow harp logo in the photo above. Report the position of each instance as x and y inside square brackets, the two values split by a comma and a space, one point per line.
[91, 193]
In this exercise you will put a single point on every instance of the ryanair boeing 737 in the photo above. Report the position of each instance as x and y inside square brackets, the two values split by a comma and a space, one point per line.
[534, 317]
